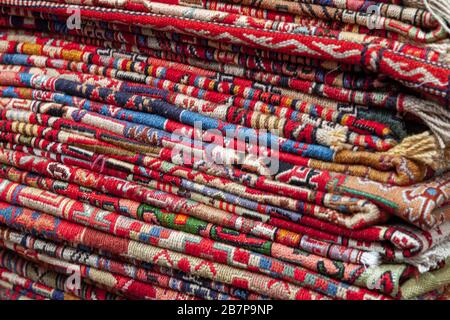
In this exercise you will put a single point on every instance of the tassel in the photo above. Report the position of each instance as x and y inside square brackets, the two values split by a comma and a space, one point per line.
[334, 137]
[440, 9]
[436, 117]
[423, 148]
[371, 259]
[431, 258]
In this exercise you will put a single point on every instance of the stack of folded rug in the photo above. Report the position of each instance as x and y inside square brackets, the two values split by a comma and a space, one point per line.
[224, 149]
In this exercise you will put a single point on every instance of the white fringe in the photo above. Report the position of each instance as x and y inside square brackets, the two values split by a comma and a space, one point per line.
[371, 259]
[431, 258]
[436, 117]
[440, 9]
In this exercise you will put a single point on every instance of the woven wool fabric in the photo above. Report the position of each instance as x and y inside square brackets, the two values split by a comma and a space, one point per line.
[440, 197]
[308, 131]
[273, 41]
[358, 125]
[409, 243]
[100, 240]
[14, 263]
[176, 221]
[285, 157]
[224, 150]
[24, 286]
[123, 285]
[377, 98]
[104, 263]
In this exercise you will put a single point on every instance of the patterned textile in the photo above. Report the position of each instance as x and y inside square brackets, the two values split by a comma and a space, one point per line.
[375, 58]
[224, 150]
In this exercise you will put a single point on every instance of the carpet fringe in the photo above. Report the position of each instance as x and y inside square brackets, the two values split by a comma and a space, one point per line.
[440, 9]
[431, 258]
[423, 148]
[435, 116]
